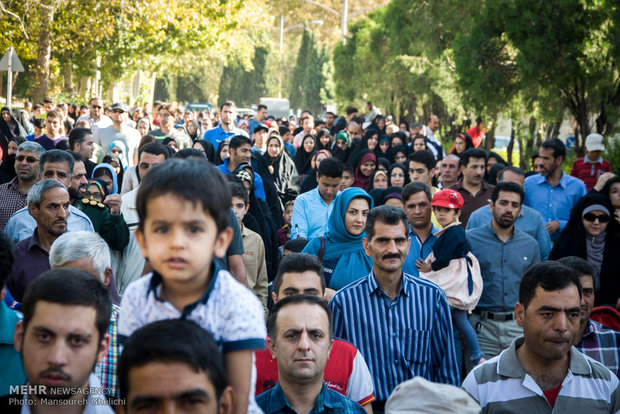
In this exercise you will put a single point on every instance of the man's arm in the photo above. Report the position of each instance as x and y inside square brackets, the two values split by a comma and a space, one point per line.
[543, 239]
[239, 373]
[443, 358]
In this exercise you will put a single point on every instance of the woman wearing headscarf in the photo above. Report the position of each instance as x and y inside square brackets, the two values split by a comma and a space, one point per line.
[462, 143]
[492, 159]
[10, 127]
[310, 181]
[364, 169]
[206, 148]
[192, 129]
[342, 149]
[106, 173]
[119, 149]
[324, 139]
[303, 155]
[340, 249]
[370, 141]
[282, 169]
[117, 164]
[397, 175]
[384, 149]
[378, 179]
[593, 235]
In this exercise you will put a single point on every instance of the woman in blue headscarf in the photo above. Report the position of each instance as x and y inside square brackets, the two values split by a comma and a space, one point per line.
[341, 250]
[119, 149]
[108, 175]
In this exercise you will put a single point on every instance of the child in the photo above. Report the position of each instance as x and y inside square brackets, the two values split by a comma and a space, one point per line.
[284, 234]
[451, 259]
[184, 208]
[254, 256]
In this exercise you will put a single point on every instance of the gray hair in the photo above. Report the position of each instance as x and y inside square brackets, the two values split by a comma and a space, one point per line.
[55, 155]
[37, 191]
[78, 245]
[32, 147]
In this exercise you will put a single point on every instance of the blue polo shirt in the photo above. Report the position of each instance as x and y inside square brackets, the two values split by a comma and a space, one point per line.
[217, 135]
[12, 367]
[259, 187]
[418, 250]
[328, 401]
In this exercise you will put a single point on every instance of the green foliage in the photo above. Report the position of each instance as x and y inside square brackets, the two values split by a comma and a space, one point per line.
[245, 87]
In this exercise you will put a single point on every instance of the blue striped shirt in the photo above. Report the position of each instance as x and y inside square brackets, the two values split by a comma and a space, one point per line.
[399, 339]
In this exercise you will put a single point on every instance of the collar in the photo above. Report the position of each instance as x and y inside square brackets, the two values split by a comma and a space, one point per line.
[34, 240]
[373, 285]
[541, 179]
[324, 399]
[489, 228]
[587, 159]
[156, 280]
[434, 231]
[509, 365]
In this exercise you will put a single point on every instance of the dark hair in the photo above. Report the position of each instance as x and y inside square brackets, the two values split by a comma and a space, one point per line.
[413, 188]
[56, 155]
[385, 214]
[238, 141]
[471, 153]
[172, 340]
[188, 153]
[331, 167]
[78, 135]
[422, 137]
[534, 156]
[239, 190]
[154, 148]
[425, 157]
[494, 171]
[228, 103]
[71, 287]
[516, 170]
[77, 157]
[558, 147]
[296, 300]
[260, 106]
[295, 245]
[298, 262]
[581, 266]
[550, 275]
[349, 168]
[6, 259]
[351, 110]
[507, 187]
[193, 180]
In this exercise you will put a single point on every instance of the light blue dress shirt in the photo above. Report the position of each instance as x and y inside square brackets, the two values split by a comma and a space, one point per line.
[310, 214]
[418, 250]
[530, 221]
[553, 203]
[21, 225]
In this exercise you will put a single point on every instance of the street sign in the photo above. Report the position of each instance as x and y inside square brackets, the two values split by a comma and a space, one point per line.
[10, 62]
[570, 142]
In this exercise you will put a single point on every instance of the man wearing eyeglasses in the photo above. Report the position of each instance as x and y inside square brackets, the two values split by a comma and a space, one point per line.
[13, 194]
[119, 131]
[96, 118]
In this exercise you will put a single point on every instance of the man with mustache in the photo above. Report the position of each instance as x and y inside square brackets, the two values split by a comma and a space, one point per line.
[62, 336]
[542, 372]
[400, 323]
[475, 191]
[504, 253]
[48, 204]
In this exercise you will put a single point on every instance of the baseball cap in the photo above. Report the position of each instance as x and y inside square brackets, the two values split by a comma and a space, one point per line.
[595, 142]
[121, 106]
[448, 199]
[262, 127]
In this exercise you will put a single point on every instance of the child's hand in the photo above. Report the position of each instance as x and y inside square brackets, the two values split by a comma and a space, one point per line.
[423, 266]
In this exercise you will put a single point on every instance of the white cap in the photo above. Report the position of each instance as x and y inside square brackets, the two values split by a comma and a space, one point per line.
[595, 142]
[420, 396]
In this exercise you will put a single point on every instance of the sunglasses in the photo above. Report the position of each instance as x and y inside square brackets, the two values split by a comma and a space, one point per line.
[95, 107]
[591, 217]
[28, 159]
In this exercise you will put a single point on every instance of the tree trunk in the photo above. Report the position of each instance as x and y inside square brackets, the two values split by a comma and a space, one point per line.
[83, 86]
[511, 143]
[68, 77]
[44, 52]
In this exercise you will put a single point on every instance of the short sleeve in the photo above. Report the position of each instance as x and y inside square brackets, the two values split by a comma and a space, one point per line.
[236, 245]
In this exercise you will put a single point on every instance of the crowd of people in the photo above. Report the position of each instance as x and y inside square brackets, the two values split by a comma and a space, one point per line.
[159, 259]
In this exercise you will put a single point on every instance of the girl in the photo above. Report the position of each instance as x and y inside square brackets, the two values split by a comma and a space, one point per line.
[364, 169]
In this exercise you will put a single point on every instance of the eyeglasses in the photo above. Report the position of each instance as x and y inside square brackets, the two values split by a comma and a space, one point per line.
[117, 111]
[93, 196]
[591, 217]
[29, 159]
[116, 151]
[95, 106]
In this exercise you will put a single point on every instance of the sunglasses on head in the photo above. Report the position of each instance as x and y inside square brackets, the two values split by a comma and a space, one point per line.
[29, 159]
[602, 218]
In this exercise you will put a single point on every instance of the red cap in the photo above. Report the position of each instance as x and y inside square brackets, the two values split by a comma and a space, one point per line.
[448, 198]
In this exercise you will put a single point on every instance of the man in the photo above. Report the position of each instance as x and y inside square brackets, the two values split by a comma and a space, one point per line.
[119, 131]
[241, 153]
[312, 209]
[53, 131]
[417, 199]
[261, 114]
[48, 204]
[476, 193]
[431, 139]
[173, 366]
[56, 165]
[260, 138]
[372, 112]
[449, 169]
[589, 168]
[529, 221]
[593, 339]
[552, 193]
[307, 125]
[81, 140]
[95, 117]
[88, 251]
[13, 194]
[504, 253]
[62, 336]
[346, 371]
[400, 323]
[541, 372]
[330, 122]
[422, 168]
[105, 216]
[167, 117]
[537, 165]
[226, 129]
[301, 334]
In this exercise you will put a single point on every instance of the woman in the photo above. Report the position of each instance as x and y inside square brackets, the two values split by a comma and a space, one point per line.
[400, 154]
[364, 169]
[206, 148]
[143, 126]
[10, 127]
[119, 149]
[419, 143]
[192, 129]
[397, 175]
[106, 173]
[370, 141]
[384, 149]
[462, 143]
[342, 150]
[592, 235]
[303, 156]
[612, 190]
[223, 152]
[492, 159]
[324, 138]
[172, 143]
[282, 169]
[341, 249]
[310, 181]
[117, 164]
[378, 179]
